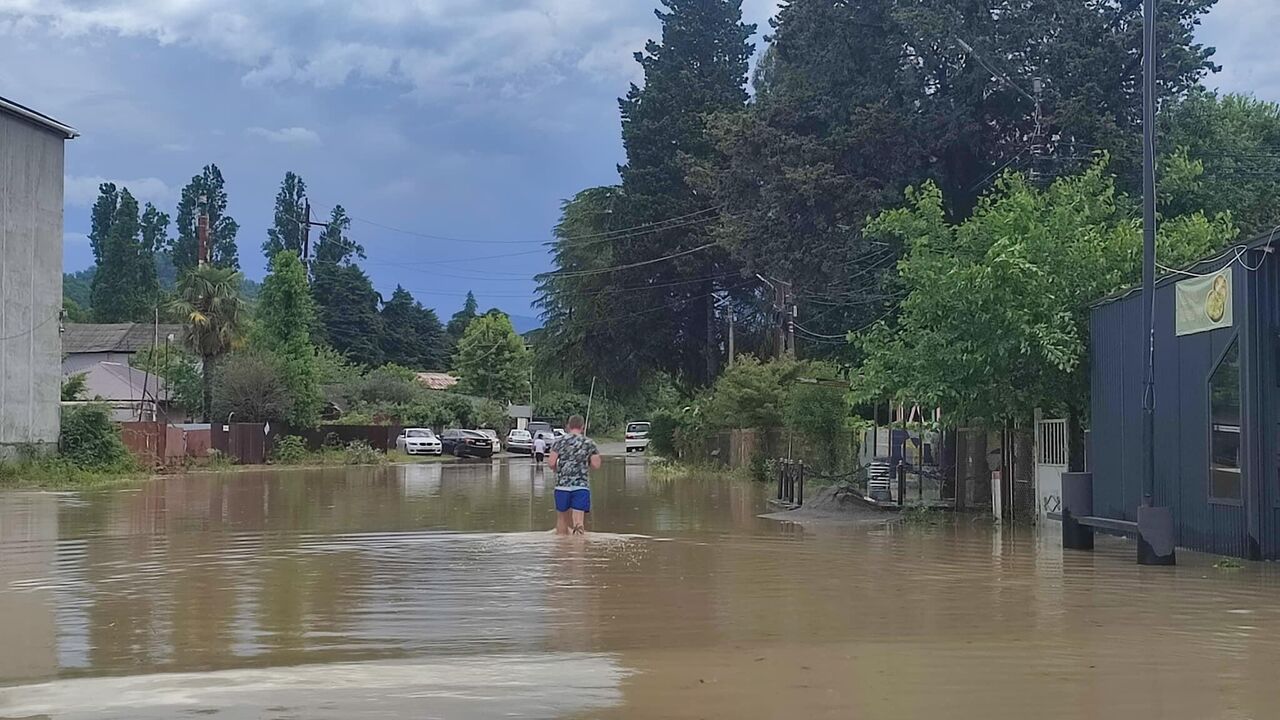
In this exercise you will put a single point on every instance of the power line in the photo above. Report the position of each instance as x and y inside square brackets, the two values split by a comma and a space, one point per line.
[646, 228]
[628, 266]
[33, 328]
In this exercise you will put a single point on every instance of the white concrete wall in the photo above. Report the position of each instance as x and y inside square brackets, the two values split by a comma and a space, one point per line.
[31, 169]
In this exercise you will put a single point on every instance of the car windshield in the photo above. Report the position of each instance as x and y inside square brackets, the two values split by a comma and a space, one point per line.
[642, 427]
[419, 434]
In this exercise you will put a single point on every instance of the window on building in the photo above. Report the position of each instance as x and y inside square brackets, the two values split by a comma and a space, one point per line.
[1226, 471]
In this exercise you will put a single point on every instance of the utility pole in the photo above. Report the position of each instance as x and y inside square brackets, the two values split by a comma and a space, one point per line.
[731, 348]
[1148, 247]
[1037, 136]
[789, 310]
[306, 224]
[1155, 524]
[202, 231]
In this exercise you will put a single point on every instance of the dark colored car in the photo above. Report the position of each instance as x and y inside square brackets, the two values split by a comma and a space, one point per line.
[467, 443]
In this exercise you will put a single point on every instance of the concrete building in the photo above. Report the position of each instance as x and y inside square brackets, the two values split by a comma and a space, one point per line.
[31, 172]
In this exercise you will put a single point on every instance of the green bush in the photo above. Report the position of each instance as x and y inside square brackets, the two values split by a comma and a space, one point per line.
[662, 432]
[90, 440]
[289, 450]
[359, 452]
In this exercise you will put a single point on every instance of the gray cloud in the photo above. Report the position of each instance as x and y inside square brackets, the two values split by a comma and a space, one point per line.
[287, 135]
[81, 190]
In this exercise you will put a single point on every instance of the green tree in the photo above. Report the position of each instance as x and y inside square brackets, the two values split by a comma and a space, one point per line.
[286, 319]
[208, 302]
[1228, 148]
[223, 228]
[287, 229]
[101, 217]
[78, 287]
[698, 67]
[457, 326]
[125, 287]
[348, 315]
[995, 322]
[412, 335]
[334, 246]
[858, 100]
[492, 361]
[589, 316]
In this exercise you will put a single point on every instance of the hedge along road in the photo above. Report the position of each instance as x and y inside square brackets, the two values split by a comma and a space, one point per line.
[434, 590]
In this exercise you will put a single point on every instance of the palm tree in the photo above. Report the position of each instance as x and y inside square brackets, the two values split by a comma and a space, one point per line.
[209, 303]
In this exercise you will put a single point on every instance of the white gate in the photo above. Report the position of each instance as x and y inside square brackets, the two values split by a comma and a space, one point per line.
[1051, 461]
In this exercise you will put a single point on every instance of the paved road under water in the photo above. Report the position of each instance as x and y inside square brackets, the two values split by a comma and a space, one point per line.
[432, 591]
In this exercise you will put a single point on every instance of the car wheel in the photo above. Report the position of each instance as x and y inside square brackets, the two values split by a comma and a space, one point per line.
[457, 451]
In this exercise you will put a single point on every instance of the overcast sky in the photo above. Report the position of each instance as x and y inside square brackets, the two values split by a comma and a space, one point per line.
[467, 119]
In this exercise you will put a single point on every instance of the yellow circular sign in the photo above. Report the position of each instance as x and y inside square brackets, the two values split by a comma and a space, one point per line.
[1215, 303]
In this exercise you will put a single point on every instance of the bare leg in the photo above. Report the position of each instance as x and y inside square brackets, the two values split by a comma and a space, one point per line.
[579, 522]
[562, 523]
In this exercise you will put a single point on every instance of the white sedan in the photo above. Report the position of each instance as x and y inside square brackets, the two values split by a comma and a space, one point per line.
[419, 441]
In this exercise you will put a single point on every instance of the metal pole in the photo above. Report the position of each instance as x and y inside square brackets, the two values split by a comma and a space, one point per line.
[731, 349]
[1148, 245]
[587, 422]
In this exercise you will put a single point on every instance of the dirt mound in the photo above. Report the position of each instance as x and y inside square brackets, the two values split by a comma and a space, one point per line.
[833, 504]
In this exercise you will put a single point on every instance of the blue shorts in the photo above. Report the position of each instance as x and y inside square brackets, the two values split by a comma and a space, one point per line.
[567, 500]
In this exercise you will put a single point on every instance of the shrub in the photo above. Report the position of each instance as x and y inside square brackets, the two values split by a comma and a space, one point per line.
[384, 386]
[359, 452]
[289, 450]
[662, 432]
[90, 440]
[249, 386]
[74, 387]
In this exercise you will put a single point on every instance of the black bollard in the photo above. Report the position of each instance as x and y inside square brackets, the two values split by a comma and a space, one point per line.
[1155, 536]
[782, 474]
[902, 483]
[1077, 502]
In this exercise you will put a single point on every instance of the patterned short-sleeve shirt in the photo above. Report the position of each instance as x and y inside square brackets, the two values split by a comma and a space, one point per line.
[573, 460]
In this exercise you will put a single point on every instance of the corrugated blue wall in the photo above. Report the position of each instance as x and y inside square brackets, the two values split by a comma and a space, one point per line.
[1183, 366]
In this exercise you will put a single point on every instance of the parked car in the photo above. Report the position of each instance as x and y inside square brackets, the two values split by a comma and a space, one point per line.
[559, 433]
[637, 437]
[493, 438]
[467, 443]
[520, 441]
[536, 428]
[419, 441]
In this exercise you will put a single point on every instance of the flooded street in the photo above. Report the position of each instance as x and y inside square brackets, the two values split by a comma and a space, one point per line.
[433, 591]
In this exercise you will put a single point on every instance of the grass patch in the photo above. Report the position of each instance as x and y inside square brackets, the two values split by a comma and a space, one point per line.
[921, 516]
[663, 469]
[57, 473]
[1228, 564]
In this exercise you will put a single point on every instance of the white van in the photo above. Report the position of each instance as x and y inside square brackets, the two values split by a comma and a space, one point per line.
[637, 437]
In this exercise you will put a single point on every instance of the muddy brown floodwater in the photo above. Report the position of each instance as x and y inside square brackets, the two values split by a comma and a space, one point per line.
[432, 591]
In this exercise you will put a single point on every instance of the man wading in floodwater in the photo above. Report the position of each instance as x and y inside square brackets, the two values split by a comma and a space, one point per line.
[572, 458]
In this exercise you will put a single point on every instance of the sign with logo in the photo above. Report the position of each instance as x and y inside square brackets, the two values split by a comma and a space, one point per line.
[1204, 303]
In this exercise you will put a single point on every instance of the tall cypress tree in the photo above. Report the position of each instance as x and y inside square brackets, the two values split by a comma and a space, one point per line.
[222, 227]
[347, 311]
[333, 245]
[412, 335]
[698, 67]
[287, 229]
[124, 287]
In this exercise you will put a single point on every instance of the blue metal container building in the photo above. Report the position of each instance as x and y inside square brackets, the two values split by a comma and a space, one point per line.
[1217, 409]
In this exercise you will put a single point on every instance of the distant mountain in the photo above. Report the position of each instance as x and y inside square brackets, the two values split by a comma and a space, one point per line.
[524, 323]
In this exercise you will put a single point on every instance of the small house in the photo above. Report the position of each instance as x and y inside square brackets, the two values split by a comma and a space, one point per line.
[1216, 402]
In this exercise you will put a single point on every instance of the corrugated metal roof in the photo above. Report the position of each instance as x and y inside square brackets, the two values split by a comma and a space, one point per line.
[38, 118]
[437, 381]
[113, 337]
